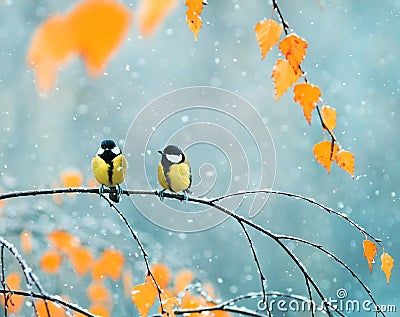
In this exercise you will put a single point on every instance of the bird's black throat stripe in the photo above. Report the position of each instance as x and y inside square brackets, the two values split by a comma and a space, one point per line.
[110, 171]
[108, 157]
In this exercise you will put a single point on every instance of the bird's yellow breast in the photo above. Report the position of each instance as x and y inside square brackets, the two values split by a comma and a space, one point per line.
[107, 174]
[177, 178]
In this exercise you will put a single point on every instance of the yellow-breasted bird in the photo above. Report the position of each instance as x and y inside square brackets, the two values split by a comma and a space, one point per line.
[174, 171]
[109, 168]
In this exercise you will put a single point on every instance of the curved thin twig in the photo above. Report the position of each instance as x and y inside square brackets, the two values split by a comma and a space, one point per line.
[144, 253]
[50, 298]
[306, 199]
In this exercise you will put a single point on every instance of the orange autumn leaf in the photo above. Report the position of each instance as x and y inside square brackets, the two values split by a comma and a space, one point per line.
[113, 261]
[52, 45]
[63, 241]
[98, 293]
[284, 77]
[100, 310]
[71, 178]
[369, 252]
[81, 259]
[13, 281]
[57, 198]
[151, 13]
[345, 160]
[92, 183]
[51, 261]
[325, 154]
[307, 95]
[182, 279]
[143, 296]
[53, 309]
[26, 241]
[192, 302]
[99, 27]
[127, 281]
[193, 19]
[170, 303]
[328, 114]
[161, 274]
[110, 264]
[93, 29]
[98, 271]
[1, 201]
[294, 49]
[387, 265]
[268, 33]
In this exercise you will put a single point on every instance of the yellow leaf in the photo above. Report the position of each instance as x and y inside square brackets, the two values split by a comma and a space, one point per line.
[345, 160]
[193, 19]
[284, 77]
[328, 115]
[369, 252]
[387, 265]
[307, 95]
[268, 33]
[325, 154]
[143, 296]
[152, 12]
[294, 49]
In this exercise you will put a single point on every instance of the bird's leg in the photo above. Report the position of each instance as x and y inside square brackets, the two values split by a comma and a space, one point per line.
[119, 191]
[161, 194]
[101, 189]
[185, 196]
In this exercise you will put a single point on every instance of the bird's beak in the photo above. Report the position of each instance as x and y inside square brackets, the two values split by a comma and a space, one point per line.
[160, 152]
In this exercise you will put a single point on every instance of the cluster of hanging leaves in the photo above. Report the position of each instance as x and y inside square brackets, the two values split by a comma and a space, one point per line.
[287, 72]
[387, 262]
[175, 293]
[94, 29]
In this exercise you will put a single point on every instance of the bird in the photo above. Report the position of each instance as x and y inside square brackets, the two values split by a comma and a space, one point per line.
[109, 167]
[174, 173]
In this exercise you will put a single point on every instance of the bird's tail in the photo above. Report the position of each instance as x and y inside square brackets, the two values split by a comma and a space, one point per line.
[114, 194]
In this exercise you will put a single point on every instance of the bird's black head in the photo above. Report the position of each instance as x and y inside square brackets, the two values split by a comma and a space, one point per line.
[108, 150]
[108, 144]
[172, 154]
[172, 150]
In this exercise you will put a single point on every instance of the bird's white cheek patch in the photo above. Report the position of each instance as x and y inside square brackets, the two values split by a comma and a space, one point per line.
[174, 158]
[100, 151]
[116, 150]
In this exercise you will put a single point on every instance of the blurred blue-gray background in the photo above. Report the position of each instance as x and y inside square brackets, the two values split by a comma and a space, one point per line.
[353, 56]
